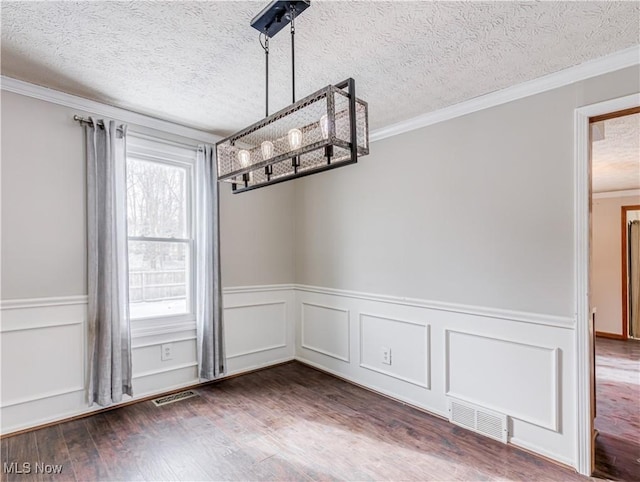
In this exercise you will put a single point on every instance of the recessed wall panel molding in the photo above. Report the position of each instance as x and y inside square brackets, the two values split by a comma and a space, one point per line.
[507, 376]
[396, 348]
[258, 333]
[325, 329]
[44, 410]
[42, 313]
[58, 369]
[255, 327]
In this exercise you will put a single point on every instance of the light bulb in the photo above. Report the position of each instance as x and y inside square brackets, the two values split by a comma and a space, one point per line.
[244, 157]
[324, 126]
[295, 138]
[267, 150]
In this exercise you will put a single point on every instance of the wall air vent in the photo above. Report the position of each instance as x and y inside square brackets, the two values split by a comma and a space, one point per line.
[478, 419]
[176, 397]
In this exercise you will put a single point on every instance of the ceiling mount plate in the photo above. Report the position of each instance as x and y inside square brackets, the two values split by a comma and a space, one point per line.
[275, 16]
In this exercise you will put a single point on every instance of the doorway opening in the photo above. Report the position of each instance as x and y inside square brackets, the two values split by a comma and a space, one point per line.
[630, 234]
[615, 197]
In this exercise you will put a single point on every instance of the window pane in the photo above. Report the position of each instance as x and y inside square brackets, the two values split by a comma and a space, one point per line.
[159, 279]
[156, 199]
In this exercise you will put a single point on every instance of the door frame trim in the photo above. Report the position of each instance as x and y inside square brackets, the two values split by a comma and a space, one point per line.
[582, 228]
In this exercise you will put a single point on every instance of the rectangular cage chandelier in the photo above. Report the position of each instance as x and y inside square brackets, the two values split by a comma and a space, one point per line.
[324, 130]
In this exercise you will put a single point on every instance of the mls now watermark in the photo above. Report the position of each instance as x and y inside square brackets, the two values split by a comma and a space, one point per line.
[29, 468]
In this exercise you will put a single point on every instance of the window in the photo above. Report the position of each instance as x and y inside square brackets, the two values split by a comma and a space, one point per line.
[160, 231]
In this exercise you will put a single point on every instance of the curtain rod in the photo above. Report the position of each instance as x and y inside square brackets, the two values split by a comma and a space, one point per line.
[84, 120]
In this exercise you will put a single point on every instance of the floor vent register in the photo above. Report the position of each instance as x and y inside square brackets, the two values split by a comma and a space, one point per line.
[478, 419]
[175, 397]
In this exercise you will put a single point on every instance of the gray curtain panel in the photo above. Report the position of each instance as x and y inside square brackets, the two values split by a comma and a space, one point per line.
[634, 278]
[211, 358]
[109, 334]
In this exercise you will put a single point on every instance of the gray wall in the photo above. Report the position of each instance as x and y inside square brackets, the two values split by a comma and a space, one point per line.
[43, 200]
[256, 236]
[43, 210]
[476, 210]
[606, 261]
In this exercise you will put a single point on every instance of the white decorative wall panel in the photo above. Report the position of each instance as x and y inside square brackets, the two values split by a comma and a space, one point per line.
[42, 352]
[325, 329]
[514, 378]
[44, 344]
[254, 328]
[147, 359]
[519, 365]
[165, 379]
[38, 313]
[408, 342]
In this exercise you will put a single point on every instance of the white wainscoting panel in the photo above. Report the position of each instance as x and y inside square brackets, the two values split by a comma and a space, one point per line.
[50, 363]
[44, 350]
[325, 329]
[27, 318]
[147, 358]
[258, 324]
[165, 379]
[506, 376]
[519, 364]
[409, 345]
[255, 328]
[45, 410]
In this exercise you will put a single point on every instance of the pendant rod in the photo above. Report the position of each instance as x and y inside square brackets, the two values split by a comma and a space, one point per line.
[293, 52]
[266, 73]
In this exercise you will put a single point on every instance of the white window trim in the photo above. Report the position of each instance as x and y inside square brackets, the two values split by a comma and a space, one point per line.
[148, 148]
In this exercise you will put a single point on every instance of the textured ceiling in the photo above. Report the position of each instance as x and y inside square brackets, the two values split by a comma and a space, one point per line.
[616, 158]
[200, 64]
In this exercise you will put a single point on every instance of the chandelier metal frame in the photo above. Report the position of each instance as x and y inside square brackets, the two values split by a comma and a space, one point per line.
[331, 125]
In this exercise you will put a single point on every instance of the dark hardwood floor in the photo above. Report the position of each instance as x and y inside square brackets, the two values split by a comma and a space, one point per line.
[289, 422]
[618, 409]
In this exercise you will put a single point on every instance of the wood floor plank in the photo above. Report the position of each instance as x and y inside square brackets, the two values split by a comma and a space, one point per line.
[287, 423]
[180, 445]
[22, 451]
[144, 444]
[112, 449]
[83, 454]
[4, 458]
[53, 451]
[618, 409]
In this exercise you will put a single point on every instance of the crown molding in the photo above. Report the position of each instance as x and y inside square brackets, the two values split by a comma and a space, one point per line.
[610, 194]
[92, 107]
[592, 68]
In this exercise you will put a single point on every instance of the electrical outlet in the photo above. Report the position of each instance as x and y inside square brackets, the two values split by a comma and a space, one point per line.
[166, 352]
[386, 355]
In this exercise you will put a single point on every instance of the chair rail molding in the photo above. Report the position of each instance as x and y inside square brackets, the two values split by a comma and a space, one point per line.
[498, 313]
